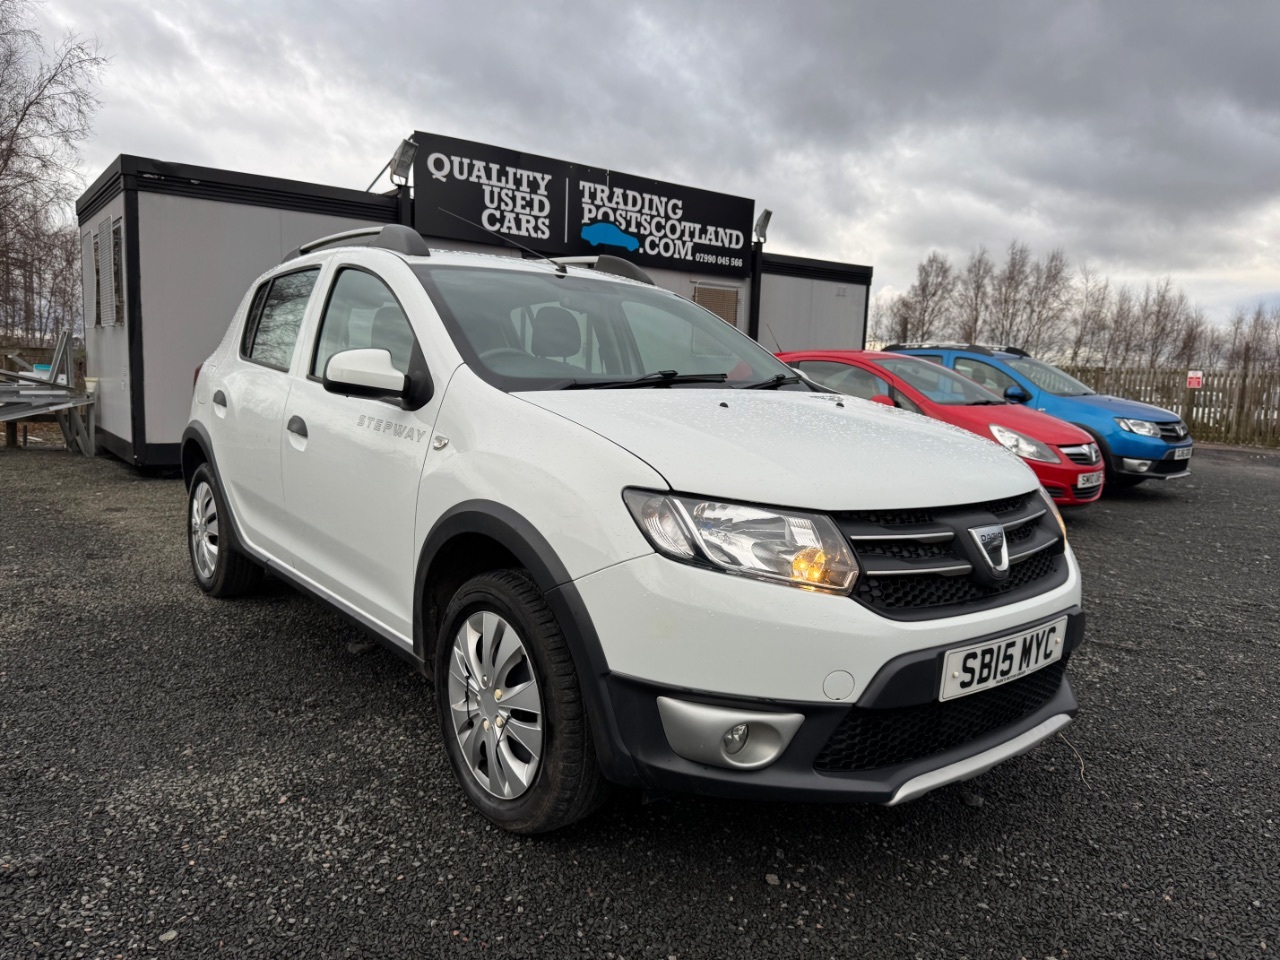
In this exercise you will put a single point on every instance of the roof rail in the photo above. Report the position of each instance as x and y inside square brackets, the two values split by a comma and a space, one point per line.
[983, 348]
[604, 263]
[938, 346]
[395, 237]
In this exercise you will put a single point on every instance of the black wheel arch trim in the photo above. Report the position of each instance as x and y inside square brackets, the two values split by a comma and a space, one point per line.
[198, 434]
[518, 535]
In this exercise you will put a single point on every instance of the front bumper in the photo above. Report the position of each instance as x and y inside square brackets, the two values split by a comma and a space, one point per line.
[900, 702]
[1149, 457]
[1063, 480]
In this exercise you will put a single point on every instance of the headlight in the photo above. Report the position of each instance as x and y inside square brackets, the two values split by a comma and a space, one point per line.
[802, 549]
[1144, 428]
[1022, 445]
[1053, 508]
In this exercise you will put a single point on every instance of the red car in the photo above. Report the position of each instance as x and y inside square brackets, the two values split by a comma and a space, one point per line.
[1065, 458]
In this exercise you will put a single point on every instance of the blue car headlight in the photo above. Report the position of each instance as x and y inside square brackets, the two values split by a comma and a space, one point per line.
[1143, 428]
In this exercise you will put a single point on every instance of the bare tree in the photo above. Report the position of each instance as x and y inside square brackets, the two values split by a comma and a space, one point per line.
[973, 296]
[922, 312]
[1191, 339]
[47, 104]
[46, 107]
[1009, 295]
[1082, 319]
[1048, 295]
[1162, 311]
[1121, 330]
[1088, 323]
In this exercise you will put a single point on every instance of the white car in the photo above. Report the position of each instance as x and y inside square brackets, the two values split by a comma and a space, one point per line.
[628, 544]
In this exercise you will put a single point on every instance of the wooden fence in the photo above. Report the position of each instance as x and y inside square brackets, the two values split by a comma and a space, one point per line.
[1231, 407]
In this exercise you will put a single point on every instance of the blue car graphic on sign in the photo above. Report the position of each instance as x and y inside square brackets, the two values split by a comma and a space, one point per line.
[604, 232]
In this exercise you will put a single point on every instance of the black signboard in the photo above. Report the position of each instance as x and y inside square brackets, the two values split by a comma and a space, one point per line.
[564, 209]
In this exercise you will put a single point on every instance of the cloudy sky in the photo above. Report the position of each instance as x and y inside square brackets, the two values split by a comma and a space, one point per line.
[1143, 137]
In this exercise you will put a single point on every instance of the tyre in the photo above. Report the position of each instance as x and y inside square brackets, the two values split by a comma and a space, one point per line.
[220, 569]
[511, 710]
[1113, 479]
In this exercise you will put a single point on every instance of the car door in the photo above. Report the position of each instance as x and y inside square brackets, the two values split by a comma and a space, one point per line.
[352, 465]
[249, 395]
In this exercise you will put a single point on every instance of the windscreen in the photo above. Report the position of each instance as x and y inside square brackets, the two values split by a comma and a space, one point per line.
[938, 383]
[1049, 378]
[522, 330]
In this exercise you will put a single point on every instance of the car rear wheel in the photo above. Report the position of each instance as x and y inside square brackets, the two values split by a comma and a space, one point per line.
[511, 711]
[220, 569]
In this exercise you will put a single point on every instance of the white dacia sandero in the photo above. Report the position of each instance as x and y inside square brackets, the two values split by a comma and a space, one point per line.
[627, 544]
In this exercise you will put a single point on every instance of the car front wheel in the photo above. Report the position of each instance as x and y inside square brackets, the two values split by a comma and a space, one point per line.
[511, 711]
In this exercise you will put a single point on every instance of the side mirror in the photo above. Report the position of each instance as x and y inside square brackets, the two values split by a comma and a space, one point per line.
[364, 373]
[1016, 394]
[883, 398]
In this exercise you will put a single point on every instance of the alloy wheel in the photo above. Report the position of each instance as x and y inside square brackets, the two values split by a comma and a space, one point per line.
[204, 530]
[495, 705]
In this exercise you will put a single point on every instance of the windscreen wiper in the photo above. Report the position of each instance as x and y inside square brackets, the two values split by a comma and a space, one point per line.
[660, 378]
[988, 403]
[773, 383]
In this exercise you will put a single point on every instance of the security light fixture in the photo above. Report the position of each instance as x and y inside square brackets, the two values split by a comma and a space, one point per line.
[402, 161]
[400, 164]
[762, 224]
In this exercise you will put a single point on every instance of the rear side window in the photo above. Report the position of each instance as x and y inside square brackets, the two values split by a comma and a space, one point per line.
[845, 378]
[985, 374]
[275, 318]
[363, 313]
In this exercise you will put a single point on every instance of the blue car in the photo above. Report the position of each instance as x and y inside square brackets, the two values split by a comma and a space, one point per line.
[1138, 441]
[609, 234]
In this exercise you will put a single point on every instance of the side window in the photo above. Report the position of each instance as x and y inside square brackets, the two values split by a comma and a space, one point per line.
[362, 313]
[931, 357]
[845, 378]
[274, 319]
[984, 374]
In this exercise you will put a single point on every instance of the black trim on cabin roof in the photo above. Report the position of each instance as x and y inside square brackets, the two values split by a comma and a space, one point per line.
[229, 186]
[778, 264]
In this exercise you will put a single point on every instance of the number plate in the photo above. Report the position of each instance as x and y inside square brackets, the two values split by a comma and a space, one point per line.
[1088, 480]
[982, 666]
[1182, 453]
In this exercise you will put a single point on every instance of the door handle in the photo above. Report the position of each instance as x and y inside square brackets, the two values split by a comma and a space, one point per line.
[219, 398]
[297, 425]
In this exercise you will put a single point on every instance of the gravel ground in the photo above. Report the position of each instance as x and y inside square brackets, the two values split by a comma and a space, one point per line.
[187, 777]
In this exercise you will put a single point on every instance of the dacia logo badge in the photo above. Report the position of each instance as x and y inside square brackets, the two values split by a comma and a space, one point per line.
[994, 548]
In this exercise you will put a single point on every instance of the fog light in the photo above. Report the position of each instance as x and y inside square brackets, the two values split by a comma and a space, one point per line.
[735, 738]
[1138, 466]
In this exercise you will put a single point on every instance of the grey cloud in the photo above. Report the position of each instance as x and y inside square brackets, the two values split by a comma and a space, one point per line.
[1143, 135]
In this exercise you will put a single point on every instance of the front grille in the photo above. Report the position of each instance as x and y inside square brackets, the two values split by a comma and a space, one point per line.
[896, 518]
[1085, 454]
[871, 739]
[923, 563]
[939, 590]
[1174, 432]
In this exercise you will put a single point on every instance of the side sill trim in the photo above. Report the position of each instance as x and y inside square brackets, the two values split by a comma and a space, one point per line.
[305, 583]
[973, 766]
